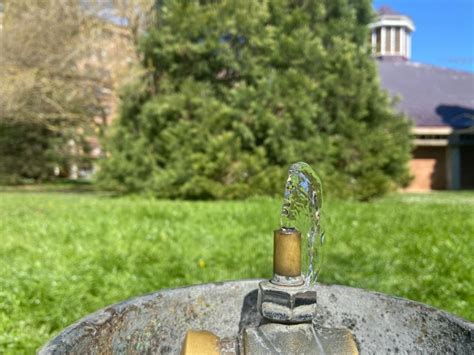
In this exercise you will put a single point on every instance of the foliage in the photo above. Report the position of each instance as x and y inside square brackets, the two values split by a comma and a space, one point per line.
[237, 91]
[26, 152]
[58, 76]
[64, 256]
[41, 80]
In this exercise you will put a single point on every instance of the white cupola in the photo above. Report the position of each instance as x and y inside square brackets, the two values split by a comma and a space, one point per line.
[391, 34]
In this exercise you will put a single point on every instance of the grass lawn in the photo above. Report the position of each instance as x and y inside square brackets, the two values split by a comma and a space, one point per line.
[63, 256]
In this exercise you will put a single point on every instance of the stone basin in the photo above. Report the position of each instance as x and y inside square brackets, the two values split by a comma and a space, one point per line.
[157, 323]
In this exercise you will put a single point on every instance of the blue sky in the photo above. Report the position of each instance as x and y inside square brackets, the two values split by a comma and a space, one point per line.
[444, 34]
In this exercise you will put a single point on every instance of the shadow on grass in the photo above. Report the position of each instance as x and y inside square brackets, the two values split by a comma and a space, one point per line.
[64, 186]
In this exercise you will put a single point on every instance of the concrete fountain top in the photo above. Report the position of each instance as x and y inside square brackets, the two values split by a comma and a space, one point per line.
[157, 323]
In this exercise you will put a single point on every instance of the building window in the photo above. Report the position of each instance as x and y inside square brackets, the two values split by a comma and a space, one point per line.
[378, 36]
[397, 40]
[407, 45]
[388, 39]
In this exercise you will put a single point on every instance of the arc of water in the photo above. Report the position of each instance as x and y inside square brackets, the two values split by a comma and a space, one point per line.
[301, 209]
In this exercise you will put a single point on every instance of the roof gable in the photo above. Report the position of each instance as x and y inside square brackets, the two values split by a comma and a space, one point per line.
[387, 10]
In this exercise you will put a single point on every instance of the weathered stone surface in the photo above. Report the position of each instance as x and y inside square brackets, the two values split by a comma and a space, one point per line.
[157, 323]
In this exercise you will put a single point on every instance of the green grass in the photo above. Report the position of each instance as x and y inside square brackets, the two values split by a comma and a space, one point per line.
[63, 256]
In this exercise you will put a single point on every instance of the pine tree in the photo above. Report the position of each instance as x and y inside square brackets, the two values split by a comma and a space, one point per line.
[238, 90]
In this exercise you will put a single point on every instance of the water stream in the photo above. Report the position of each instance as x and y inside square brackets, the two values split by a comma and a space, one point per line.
[302, 210]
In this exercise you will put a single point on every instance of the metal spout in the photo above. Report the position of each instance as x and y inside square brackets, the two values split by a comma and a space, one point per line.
[287, 257]
[286, 298]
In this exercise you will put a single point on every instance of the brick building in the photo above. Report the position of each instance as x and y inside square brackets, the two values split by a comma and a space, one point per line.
[440, 102]
[1, 16]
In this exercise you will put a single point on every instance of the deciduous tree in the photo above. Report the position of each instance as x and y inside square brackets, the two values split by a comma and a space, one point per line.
[61, 65]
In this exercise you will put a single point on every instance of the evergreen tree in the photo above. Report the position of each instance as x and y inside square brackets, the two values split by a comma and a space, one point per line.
[238, 90]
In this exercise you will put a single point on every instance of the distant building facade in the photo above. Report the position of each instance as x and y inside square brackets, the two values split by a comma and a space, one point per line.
[440, 102]
[110, 60]
[1, 16]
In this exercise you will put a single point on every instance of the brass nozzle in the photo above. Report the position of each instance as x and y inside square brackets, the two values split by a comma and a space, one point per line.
[200, 342]
[287, 252]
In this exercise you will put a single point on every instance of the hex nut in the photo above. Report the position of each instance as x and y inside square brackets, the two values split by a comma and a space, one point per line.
[286, 304]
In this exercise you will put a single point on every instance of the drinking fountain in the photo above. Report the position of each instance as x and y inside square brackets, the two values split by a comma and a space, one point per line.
[288, 314]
